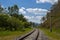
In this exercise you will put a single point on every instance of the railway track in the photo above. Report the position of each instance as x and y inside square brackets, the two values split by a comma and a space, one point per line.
[33, 35]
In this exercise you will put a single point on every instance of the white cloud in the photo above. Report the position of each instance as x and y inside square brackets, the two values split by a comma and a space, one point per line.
[22, 10]
[32, 10]
[39, 17]
[36, 10]
[28, 17]
[35, 19]
[49, 1]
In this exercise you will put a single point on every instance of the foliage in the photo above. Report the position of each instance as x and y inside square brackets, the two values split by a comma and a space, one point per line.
[1, 9]
[54, 15]
[12, 20]
[13, 10]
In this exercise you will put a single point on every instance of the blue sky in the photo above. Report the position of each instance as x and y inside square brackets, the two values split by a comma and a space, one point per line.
[33, 10]
[25, 3]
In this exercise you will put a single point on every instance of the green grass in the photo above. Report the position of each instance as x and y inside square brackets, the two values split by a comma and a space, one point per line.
[11, 35]
[57, 30]
[52, 35]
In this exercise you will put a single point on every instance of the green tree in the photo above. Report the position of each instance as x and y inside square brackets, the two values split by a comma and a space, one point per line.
[1, 9]
[13, 10]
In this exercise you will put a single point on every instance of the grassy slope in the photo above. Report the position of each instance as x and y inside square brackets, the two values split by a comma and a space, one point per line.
[11, 35]
[55, 13]
[52, 35]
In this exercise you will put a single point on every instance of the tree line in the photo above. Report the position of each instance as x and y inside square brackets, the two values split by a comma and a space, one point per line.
[11, 20]
[54, 16]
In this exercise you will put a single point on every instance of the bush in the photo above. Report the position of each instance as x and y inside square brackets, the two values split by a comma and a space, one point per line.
[9, 23]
